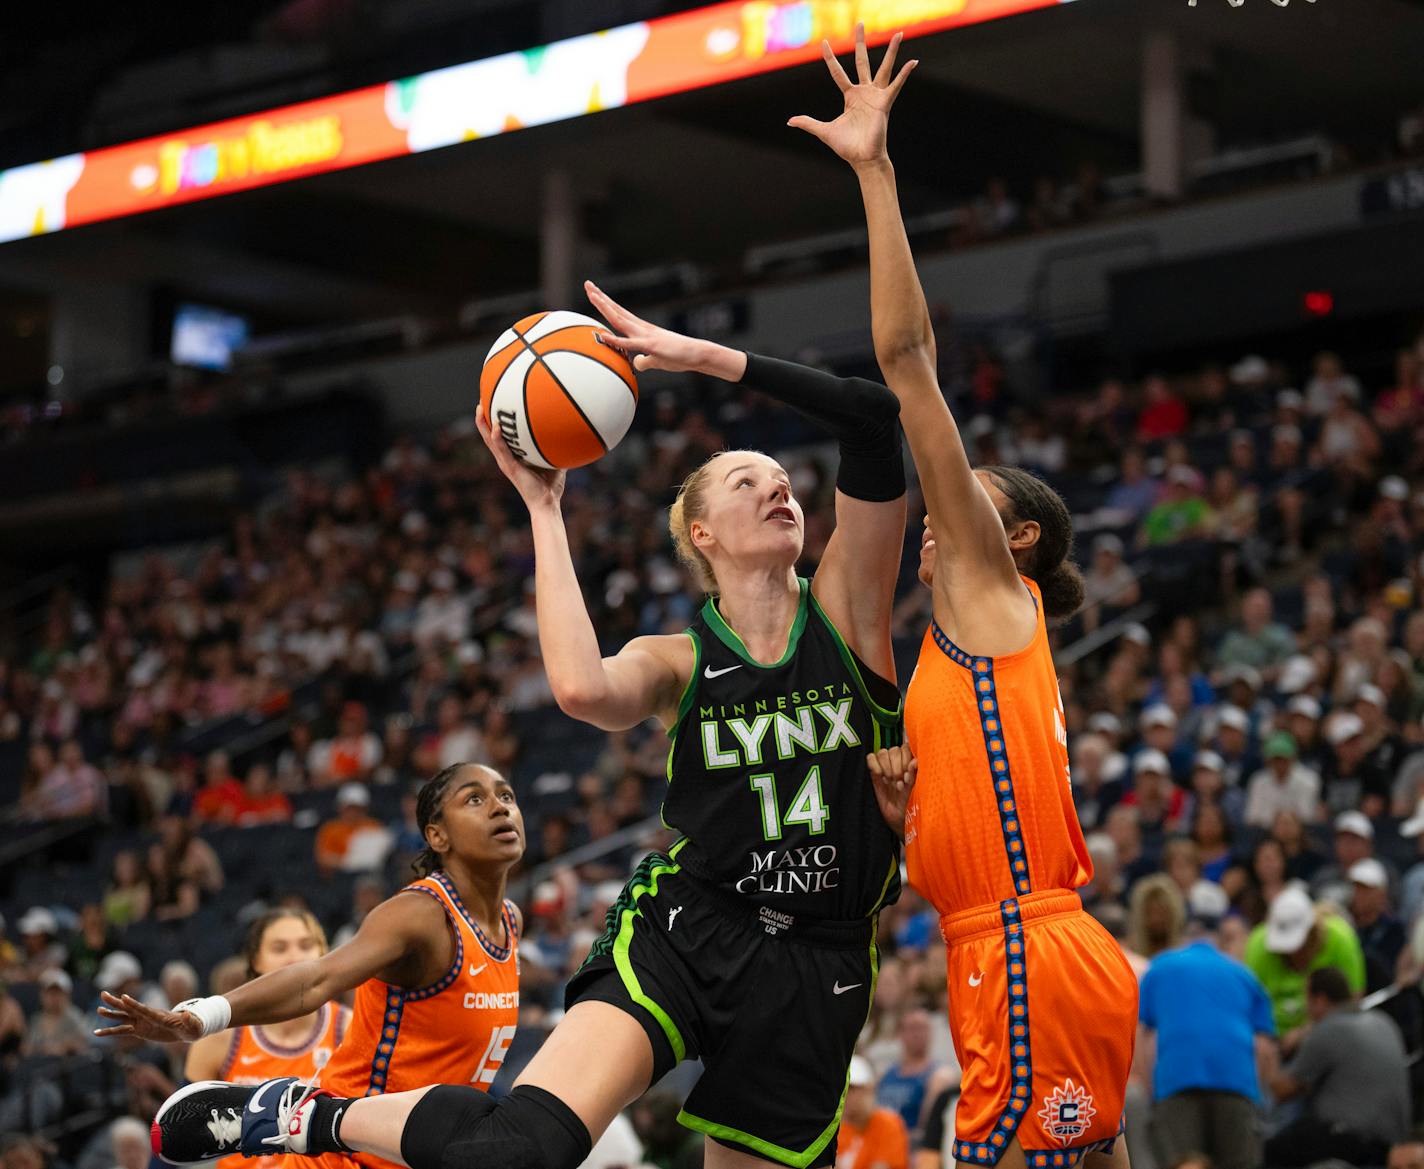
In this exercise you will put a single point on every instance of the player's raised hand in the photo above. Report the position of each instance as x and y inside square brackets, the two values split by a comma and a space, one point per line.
[858, 135]
[892, 773]
[650, 346]
[536, 486]
[132, 1017]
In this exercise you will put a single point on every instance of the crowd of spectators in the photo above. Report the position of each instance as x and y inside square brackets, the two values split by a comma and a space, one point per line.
[1247, 759]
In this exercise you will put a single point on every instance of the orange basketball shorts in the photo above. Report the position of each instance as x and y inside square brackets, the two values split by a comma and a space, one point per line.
[1043, 1010]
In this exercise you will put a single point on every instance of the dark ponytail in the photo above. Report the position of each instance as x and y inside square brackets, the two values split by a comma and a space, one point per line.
[1047, 563]
[427, 809]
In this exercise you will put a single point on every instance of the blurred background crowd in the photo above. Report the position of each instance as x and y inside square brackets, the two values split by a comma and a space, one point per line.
[1244, 693]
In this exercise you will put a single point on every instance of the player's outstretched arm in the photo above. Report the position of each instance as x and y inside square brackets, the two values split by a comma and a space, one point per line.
[394, 943]
[644, 679]
[855, 581]
[959, 508]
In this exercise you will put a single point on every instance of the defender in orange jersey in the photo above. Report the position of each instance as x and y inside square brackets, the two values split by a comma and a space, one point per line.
[1043, 1006]
[299, 1047]
[435, 970]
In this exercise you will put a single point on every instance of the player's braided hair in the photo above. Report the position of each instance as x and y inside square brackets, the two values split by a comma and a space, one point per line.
[427, 810]
[1047, 562]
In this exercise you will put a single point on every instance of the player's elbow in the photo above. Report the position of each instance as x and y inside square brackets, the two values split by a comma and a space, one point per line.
[912, 348]
[581, 699]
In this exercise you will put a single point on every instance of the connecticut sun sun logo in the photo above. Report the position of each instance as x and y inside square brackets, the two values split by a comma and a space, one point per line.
[1067, 1113]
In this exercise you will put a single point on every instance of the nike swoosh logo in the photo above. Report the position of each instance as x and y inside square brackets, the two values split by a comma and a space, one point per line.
[709, 672]
[255, 1104]
[975, 979]
[246, 1059]
[839, 989]
[476, 971]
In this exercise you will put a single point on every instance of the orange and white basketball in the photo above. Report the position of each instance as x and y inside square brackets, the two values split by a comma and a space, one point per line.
[560, 397]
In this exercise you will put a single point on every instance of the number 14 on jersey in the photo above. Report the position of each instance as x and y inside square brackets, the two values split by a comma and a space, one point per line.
[808, 806]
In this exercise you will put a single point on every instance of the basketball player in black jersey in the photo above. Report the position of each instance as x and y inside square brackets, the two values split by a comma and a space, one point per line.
[751, 944]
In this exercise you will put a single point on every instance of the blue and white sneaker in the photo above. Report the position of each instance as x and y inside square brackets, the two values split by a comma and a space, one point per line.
[211, 1119]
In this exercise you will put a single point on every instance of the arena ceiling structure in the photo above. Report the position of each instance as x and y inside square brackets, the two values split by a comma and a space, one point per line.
[688, 175]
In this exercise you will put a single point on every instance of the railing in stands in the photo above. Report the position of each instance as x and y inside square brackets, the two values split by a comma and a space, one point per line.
[1070, 290]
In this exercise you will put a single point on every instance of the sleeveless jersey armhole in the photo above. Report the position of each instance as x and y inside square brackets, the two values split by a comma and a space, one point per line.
[886, 717]
[434, 988]
[684, 702]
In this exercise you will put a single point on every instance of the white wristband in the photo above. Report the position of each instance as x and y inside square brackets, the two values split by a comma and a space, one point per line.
[213, 1012]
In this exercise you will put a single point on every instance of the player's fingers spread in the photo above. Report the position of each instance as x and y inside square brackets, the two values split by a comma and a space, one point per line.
[838, 73]
[887, 62]
[862, 56]
[899, 83]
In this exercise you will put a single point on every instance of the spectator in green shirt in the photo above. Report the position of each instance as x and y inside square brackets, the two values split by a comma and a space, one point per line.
[1296, 938]
[1182, 513]
[1258, 642]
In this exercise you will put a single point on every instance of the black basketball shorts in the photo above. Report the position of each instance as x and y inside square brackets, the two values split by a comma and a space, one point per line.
[770, 1003]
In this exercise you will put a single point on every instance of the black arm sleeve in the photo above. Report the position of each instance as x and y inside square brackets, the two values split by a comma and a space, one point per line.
[863, 416]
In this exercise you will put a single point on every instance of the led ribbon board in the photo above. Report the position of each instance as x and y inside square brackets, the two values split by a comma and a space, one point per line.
[581, 75]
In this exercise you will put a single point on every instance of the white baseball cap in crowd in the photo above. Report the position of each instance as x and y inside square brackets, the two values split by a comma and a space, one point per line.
[1105, 723]
[1158, 715]
[862, 1074]
[1151, 760]
[353, 793]
[1240, 672]
[1304, 704]
[38, 920]
[116, 969]
[1369, 872]
[1372, 694]
[1355, 823]
[1394, 487]
[1209, 760]
[1289, 921]
[1251, 368]
[1137, 634]
[1234, 717]
[56, 978]
[1297, 673]
[1207, 902]
[1345, 726]
[1414, 826]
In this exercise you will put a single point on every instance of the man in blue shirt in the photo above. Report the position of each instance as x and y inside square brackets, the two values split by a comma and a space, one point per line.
[1208, 1015]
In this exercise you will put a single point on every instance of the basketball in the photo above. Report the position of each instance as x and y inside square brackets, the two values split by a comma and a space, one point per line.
[558, 395]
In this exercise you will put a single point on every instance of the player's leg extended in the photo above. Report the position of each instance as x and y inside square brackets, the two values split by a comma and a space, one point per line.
[597, 1061]
[1117, 1159]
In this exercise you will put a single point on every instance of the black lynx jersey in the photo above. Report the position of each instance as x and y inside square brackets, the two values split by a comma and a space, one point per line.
[767, 774]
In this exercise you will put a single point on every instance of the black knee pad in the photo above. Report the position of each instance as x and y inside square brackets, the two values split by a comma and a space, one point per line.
[457, 1127]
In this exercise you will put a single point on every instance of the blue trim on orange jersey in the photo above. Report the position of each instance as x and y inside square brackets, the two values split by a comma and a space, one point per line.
[1065, 1158]
[991, 724]
[498, 953]
[230, 1059]
[386, 1045]
[988, 1151]
[448, 978]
